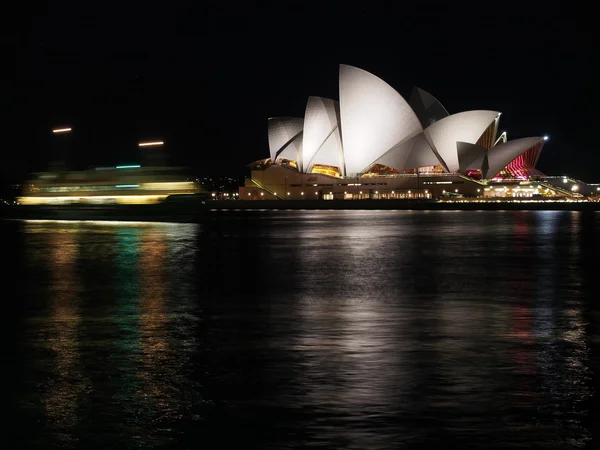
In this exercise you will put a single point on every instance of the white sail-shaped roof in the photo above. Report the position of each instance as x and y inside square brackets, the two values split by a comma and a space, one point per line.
[320, 120]
[410, 154]
[500, 155]
[330, 153]
[466, 126]
[293, 150]
[470, 156]
[374, 118]
[282, 130]
[422, 154]
[396, 156]
[427, 108]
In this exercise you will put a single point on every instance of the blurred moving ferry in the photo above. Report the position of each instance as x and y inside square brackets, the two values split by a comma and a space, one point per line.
[129, 192]
[128, 185]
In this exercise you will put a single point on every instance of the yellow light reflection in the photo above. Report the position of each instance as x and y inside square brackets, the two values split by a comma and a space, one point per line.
[154, 321]
[67, 383]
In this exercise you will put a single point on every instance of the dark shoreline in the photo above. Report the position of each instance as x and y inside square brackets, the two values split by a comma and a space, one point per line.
[197, 212]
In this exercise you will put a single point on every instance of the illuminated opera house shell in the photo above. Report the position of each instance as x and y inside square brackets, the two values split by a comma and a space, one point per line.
[373, 129]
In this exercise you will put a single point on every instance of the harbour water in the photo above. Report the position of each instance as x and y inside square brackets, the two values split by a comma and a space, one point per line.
[292, 329]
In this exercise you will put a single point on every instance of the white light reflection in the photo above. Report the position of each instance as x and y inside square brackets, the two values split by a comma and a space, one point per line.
[562, 353]
[352, 344]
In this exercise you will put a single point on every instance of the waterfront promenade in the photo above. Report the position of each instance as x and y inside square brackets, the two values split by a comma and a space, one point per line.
[197, 211]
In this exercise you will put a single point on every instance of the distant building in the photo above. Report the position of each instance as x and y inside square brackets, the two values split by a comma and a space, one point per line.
[374, 144]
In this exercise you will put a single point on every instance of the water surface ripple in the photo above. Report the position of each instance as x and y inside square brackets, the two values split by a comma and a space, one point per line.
[292, 329]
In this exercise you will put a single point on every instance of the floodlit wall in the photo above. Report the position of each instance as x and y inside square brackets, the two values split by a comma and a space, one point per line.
[278, 182]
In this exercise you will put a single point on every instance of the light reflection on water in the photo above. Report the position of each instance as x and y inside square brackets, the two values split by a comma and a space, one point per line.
[338, 329]
[65, 383]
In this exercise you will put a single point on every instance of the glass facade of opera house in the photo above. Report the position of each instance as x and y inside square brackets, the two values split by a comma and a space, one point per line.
[373, 144]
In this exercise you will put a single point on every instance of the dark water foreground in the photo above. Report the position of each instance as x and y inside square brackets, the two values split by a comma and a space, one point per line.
[324, 329]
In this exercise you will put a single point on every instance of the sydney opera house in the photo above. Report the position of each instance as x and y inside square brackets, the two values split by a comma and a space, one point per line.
[373, 144]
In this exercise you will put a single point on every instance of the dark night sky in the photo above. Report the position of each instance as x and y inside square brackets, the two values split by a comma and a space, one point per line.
[205, 76]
